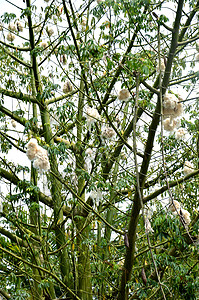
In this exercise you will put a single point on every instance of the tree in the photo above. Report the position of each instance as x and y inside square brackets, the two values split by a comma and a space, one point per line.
[99, 150]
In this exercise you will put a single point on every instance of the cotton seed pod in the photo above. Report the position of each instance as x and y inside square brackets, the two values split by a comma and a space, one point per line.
[92, 115]
[188, 168]
[14, 124]
[19, 26]
[89, 151]
[32, 148]
[50, 31]
[10, 37]
[108, 133]
[1, 27]
[67, 87]
[44, 45]
[46, 0]
[180, 133]
[174, 206]
[170, 124]
[123, 95]
[186, 216]
[12, 27]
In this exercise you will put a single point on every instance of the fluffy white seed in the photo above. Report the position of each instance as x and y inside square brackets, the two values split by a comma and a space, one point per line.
[10, 37]
[67, 87]
[92, 115]
[123, 95]
[19, 26]
[50, 31]
[108, 133]
[180, 133]
[175, 206]
[12, 27]
[43, 44]
[148, 227]
[188, 167]
[14, 124]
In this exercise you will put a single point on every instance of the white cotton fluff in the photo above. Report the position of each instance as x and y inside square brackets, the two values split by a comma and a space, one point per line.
[38, 155]
[50, 31]
[186, 215]
[19, 26]
[67, 87]
[92, 116]
[108, 133]
[180, 133]
[171, 106]
[175, 206]
[10, 37]
[89, 152]
[44, 44]
[14, 124]
[170, 124]
[41, 161]
[148, 227]
[12, 27]
[161, 67]
[188, 168]
[123, 95]
[32, 148]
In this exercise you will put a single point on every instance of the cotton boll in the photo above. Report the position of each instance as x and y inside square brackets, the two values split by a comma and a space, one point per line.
[188, 168]
[12, 27]
[169, 124]
[41, 161]
[92, 115]
[89, 152]
[148, 227]
[67, 87]
[44, 44]
[32, 143]
[108, 133]
[178, 111]
[161, 67]
[186, 216]
[50, 31]
[14, 124]
[31, 153]
[175, 206]
[180, 133]
[19, 26]
[10, 37]
[32, 148]
[123, 95]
